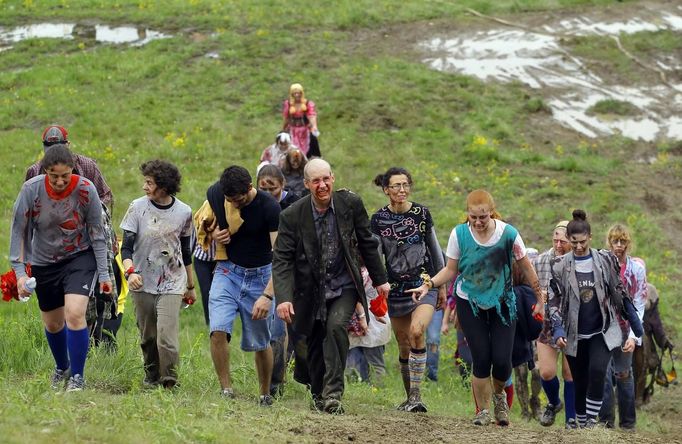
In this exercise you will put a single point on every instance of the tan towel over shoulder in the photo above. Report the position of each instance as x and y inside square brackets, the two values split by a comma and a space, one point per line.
[205, 222]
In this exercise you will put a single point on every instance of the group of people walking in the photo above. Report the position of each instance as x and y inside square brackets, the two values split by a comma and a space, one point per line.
[295, 266]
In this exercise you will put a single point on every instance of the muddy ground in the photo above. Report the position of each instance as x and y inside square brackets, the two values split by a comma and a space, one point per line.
[398, 427]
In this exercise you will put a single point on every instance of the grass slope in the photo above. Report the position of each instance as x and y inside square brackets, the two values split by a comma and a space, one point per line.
[377, 108]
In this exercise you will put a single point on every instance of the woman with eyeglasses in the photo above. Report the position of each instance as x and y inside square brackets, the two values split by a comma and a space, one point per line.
[480, 254]
[410, 248]
[585, 298]
[548, 352]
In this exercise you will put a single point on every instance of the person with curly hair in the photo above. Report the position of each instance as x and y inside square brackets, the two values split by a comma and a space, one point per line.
[57, 229]
[633, 277]
[157, 259]
[300, 118]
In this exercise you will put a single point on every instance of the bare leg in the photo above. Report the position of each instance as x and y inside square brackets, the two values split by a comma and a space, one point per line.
[264, 369]
[220, 353]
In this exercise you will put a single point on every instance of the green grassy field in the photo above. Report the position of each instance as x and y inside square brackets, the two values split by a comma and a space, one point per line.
[378, 107]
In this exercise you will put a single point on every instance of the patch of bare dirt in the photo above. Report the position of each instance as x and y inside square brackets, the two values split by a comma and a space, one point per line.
[396, 427]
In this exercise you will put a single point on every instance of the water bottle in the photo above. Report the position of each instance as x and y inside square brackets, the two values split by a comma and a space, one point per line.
[30, 286]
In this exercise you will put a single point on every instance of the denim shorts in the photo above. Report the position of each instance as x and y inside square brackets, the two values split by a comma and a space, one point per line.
[234, 290]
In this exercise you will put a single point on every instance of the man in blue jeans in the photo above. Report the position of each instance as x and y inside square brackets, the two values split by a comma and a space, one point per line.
[247, 221]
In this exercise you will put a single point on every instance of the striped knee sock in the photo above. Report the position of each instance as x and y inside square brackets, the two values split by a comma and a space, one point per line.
[592, 408]
[417, 365]
[405, 373]
[582, 419]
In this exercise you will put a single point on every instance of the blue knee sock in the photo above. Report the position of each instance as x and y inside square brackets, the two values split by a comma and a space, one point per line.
[551, 389]
[569, 399]
[77, 342]
[57, 343]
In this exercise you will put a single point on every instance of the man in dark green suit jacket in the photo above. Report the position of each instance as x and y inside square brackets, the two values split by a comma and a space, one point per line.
[323, 239]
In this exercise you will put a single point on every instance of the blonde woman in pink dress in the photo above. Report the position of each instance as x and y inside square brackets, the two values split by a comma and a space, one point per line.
[300, 117]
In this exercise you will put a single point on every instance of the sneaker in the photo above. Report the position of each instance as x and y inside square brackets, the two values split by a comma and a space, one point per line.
[59, 378]
[414, 402]
[227, 393]
[333, 406]
[501, 409]
[482, 418]
[76, 383]
[265, 401]
[549, 415]
[571, 424]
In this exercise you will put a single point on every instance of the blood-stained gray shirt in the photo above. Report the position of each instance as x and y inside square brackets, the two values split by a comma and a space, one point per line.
[157, 253]
[49, 227]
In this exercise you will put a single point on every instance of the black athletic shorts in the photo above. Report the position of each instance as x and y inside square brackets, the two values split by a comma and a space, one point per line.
[75, 275]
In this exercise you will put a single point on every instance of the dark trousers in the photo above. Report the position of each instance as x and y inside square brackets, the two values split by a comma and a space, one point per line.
[491, 342]
[588, 368]
[328, 347]
[619, 374]
[204, 271]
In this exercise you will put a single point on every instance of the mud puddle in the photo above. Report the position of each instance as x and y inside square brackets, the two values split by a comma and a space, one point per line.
[538, 58]
[130, 35]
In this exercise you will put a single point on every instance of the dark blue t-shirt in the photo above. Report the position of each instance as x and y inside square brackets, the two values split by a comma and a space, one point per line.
[590, 318]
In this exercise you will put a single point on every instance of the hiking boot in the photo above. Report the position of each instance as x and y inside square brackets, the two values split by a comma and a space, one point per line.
[414, 402]
[401, 407]
[59, 378]
[333, 406]
[76, 383]
[227, 393]
[591, 423]
[265, 401]
[316, 404]
[571, 424]
[482, 418]
[501, 409]
[549, 415]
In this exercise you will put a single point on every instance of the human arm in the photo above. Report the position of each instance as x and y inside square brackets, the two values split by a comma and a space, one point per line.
[186, 248]
[640, 295]
[445, 324]
[262, 306]
[532, 279]
[555, 295]
[436, 255]
[445, 275]
[311, 113]
[133, 278]
[283, 265]
[94, 220]
[285, 115]
[368, 245]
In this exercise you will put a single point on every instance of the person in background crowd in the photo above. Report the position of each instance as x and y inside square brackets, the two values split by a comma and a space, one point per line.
[633, 277]
[368, 338]
[647, 358]
[480, 253]
[294, 164]
[83, 166]
[157, 259]
[547, 349]
[316, 268]
[271, 180]
[300, 118]
[277, 152]
[57, 229]
[410, 248]
[585, 297]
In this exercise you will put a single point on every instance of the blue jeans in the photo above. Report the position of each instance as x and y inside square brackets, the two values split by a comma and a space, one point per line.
[620, 371]
[234, 291]
[433, 345]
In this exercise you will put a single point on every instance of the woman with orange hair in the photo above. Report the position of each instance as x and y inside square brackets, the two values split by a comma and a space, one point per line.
[300, 119]
[480, 254]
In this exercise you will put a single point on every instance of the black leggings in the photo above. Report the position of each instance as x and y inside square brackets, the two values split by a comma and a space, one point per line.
[588, 368]
[491, 342]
